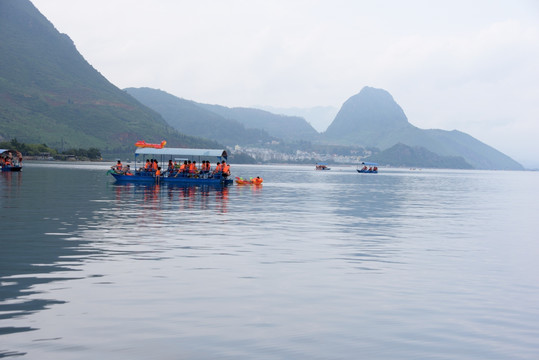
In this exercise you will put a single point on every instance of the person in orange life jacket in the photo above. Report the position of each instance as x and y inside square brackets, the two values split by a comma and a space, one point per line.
[158, 171]
[118, 167]
[193, 167]
[170, 166]
[225, 168]
[182, 170]
[155, 165]
[128, 171]
[217, 168]
[206, 167]
[148, 165]
[184, 167]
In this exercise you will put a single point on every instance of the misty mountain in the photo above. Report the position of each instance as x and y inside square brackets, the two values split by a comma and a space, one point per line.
[230, 126]
[194, 119]
[50, 94]
[319, 117]
[288, 128]
[373, 119]
[401, 155]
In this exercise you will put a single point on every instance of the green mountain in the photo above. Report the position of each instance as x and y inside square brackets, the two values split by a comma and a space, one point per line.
[401, 155]
[194, 119]
[50, 94]
[230, 126]
[373, 119]
[319, 117]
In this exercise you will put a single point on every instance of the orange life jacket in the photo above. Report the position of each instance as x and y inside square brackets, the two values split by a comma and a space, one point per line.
[225, 169]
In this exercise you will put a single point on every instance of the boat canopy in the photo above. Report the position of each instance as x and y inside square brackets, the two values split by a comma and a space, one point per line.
[369, 163]
[182, 152]
[14, 152]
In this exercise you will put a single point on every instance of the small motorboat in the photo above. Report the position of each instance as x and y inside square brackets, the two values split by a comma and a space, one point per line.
[322, 166]
[368, 168]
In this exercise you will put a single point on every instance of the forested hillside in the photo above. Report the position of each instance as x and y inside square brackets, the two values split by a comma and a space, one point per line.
[50, 94]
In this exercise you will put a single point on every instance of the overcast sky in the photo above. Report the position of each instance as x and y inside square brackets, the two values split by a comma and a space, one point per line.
[470, 65]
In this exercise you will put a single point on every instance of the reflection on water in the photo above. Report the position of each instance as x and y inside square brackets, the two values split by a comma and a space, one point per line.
[310, 265]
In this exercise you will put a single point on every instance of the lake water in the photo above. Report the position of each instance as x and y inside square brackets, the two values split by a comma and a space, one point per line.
[425, 264]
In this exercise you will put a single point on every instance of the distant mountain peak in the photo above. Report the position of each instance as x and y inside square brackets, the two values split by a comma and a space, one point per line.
[373, 105]
[371, 111]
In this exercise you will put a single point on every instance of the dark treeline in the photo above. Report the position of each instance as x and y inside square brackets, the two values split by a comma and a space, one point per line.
[43, 150]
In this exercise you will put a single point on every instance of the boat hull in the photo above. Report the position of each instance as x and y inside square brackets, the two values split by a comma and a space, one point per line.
[11, 168]
[367, 171]
[144, 178]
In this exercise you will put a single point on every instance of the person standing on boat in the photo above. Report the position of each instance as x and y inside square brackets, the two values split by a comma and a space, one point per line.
[225, 168]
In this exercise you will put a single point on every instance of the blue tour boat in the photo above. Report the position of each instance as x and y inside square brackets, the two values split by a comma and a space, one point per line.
[368, 168]
[10, 160]
[163, 155]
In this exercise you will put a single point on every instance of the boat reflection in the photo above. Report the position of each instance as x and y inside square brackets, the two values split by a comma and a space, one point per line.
[178, 196]
[11, 178]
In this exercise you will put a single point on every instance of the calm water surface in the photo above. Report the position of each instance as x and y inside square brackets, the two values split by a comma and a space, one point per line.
[429, 264]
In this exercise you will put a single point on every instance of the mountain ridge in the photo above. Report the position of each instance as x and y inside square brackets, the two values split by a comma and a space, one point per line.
[50, 94]
[372, 118]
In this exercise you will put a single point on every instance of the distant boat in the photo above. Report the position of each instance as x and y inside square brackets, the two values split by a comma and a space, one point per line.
[322, 166]
[11, 160]
[367, 168]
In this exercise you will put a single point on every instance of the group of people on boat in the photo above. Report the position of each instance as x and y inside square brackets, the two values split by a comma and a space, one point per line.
[369, 169]
[120, 169]
[10, 159]
[187, 169]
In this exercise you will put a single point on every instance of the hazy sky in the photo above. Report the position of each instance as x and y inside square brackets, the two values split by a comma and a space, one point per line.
[467, 65]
